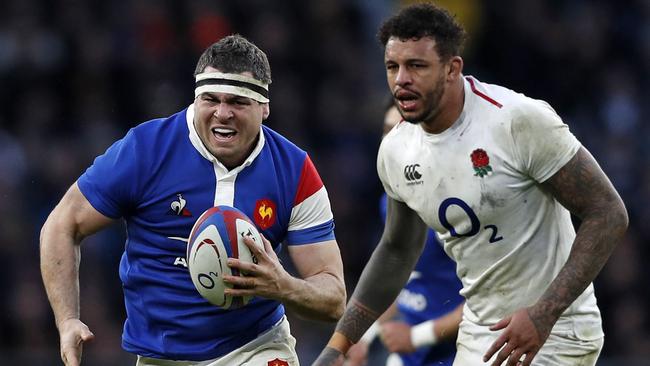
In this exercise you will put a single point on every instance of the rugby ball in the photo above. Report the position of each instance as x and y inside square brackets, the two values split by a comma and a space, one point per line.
[217, 235]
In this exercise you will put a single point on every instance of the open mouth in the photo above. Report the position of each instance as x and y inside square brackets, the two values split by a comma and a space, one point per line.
[407, 100]
[223, 134]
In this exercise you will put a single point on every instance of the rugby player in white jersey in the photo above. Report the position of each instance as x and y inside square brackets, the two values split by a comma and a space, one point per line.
[496, 174]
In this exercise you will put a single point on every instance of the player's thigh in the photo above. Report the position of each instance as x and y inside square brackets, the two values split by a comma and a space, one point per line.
[275, 355]
[560, 350]
[563, 349]
[471, 345]
[276, 347]
[280, 350]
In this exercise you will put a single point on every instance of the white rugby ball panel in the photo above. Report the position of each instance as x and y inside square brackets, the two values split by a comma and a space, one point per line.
[208, 264]
[247, 229]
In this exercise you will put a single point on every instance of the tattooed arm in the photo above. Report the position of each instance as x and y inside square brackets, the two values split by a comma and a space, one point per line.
[584, 189]
[384, 276]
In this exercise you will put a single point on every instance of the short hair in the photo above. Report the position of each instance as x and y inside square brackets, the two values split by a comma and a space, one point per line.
[425, 20]
[236, 54]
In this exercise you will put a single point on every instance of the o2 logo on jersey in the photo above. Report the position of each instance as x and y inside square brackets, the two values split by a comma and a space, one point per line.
[476, 223]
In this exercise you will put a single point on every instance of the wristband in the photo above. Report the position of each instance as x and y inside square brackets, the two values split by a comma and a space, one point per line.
[339, 342]
[422, 334]
[370, 334]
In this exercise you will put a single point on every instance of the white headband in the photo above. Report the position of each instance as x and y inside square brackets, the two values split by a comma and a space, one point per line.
[236, 84]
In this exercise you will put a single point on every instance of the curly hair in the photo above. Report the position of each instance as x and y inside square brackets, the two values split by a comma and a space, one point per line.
[236, 54]
[425, 20]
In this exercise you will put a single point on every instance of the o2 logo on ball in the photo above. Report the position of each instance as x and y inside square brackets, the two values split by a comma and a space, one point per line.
[206, 279]
[217, 235]
[476, 224]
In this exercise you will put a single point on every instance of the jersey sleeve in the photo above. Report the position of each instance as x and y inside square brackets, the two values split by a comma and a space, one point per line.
[110, 183]
[543, 143]
[384, 172]
[311, 218]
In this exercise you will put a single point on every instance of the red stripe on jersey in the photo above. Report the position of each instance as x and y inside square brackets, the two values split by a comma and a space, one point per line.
[309, 182]
[471, 83]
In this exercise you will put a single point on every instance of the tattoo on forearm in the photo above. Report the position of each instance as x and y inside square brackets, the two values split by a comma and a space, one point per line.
[584, 189]
[329, 357]
[356, 320]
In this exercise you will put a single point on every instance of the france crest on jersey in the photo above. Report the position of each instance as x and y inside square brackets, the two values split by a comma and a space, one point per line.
[160, 178]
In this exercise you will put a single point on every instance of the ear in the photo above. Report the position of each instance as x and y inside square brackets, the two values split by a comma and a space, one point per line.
[455, 71]
[266, 111]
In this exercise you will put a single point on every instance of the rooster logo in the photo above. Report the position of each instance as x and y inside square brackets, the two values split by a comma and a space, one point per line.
[178, 206]
[265, 213]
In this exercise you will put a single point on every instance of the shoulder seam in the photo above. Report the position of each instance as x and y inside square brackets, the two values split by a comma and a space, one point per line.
[481, 94]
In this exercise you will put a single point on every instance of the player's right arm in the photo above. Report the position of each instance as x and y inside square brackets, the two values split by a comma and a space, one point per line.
[358, 354]
[72, 219]
[381, 281]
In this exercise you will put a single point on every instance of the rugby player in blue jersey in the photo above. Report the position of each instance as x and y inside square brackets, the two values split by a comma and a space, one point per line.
[420, 327]
[159, 178]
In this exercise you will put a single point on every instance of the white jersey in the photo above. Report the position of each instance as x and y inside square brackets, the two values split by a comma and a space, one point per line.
[478, 185]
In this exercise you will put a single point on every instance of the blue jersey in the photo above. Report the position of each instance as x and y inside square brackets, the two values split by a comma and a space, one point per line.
[160, 178]
[431, 292]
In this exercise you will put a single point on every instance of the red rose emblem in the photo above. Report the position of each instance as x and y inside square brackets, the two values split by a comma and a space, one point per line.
[480, 158]
[481, 162]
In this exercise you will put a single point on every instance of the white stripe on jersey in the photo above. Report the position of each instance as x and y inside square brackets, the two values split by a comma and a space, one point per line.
[313, 211]
[225, 192]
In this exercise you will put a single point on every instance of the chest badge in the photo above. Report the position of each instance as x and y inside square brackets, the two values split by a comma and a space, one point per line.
[277, 362]
[265, 213]
[481, 163]
[178, 206]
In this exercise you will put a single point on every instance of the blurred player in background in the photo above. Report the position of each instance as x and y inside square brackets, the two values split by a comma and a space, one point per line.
[427, 311]
[159, 178]
[496, 175]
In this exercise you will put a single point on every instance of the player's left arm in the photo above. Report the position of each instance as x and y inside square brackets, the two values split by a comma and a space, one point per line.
[319, 293]
[583, 188]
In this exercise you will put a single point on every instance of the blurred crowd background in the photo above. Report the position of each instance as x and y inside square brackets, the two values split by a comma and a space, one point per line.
[75, 75]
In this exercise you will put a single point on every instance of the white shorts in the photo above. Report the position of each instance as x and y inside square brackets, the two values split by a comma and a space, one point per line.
[562, 348]
[277, 344]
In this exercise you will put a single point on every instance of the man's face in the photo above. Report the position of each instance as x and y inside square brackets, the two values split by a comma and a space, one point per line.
[228, 124]
[416, 77]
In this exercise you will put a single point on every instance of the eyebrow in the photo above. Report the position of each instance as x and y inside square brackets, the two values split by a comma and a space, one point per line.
[226, 97]
[407, 60]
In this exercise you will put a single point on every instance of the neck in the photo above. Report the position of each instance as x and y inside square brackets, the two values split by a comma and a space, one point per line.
[232, 164]
[449, 110]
